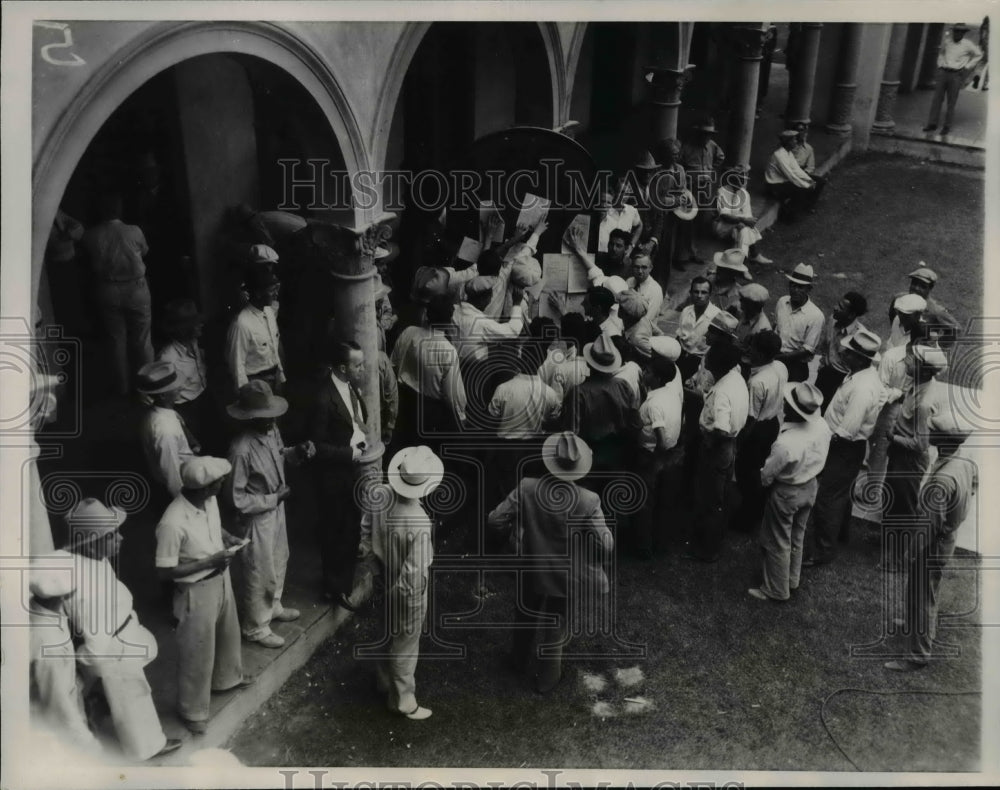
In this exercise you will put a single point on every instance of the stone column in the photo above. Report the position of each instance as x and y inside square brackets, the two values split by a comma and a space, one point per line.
[351, 266]
[884, 124]
[664, 87]
[846, 80]
[928, 64]
[748, 44]
[803, 77]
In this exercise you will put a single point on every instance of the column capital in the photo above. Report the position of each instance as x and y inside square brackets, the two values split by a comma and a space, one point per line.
[747, 42]
[350, 250]
[666, 85]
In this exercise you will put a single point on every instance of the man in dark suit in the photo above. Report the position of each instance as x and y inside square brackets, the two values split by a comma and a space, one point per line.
[337, 429]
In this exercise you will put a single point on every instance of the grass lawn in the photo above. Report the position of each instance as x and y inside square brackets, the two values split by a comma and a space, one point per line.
[730, 682]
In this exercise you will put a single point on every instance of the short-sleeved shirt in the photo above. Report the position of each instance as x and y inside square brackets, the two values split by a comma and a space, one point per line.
[187, 533]
[829, 344]
[691, 329]
[800, 328]
[252, 344]
[726, 405]
[855, 405]
[661, 409]
[189, 362]
[798, 454]
[767, 390]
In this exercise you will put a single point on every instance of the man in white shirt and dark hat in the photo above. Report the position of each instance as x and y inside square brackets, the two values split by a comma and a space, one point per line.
[166, 441]
[659, 443]
[796, 458]
[54, 689]
[194, 550]
[253, 340]
[258, 488]
[788, 182]
[799, 322]
[956, 60]
[722, 418]
[851, 417]
[842, 323]
[945, 500]
[766, 387]
[113, 647]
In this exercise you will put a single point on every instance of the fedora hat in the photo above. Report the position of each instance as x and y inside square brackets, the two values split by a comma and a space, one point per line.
[92, 519]
[725, 321]
[257, 401]
[804, 398]
[415, 471]
[51, 575]
[646, 162]
[158, 377]
[786, 134]
[602, 355]
[567, 456]
[734, 260]
[863, 342]
[803, 274]
[924, 273]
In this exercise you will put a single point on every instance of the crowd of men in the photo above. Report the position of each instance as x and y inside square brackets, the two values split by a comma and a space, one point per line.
[556, 405]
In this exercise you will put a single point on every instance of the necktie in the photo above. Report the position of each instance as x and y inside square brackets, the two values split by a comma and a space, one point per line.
[356, 406]
[191, 440]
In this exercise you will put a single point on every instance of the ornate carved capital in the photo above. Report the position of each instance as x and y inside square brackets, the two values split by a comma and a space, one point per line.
[747, 42]
[666, 85]
[373, 236]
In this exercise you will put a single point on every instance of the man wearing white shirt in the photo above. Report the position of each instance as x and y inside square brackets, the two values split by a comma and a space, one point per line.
[693, 325]
[789, 183]
[956, 59]
[642, 282]
[723, 416]
[799, 322]
[252, 344]
[624, 217]
[851, 417]
[734, 220]
[165, 441]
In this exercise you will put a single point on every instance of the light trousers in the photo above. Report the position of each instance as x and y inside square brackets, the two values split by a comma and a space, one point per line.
[782, 534]
[265, 560]
[209, 655]
[396, 675]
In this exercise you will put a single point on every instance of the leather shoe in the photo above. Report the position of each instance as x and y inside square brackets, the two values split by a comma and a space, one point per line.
[197, 727]
[904, 666]
[419, 714]
[759, 594]
[243, 684]
[286, 615]
[269, 640]
[930, 127]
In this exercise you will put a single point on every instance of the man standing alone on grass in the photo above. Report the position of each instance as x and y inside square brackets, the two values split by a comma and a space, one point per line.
[956, 60]
[790, 471]
[258, 490]
[944, 499]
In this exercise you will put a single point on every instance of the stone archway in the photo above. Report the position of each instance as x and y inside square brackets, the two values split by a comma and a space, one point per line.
[147, 55]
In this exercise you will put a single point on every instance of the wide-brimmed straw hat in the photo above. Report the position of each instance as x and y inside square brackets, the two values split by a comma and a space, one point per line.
[733, 259]
[567, 456]
[155, 378]
[803, 274]
[602, 355]
[256, 401]
[805, 399]
[864, 343]
[415, 471]
[92, 519]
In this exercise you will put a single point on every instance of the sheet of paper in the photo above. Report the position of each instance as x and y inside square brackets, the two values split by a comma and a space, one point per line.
[564, 273]
[533, 210]
[486, 210]
[470, 250]
[581, 221]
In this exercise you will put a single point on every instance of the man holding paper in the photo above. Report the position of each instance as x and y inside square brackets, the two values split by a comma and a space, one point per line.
[194, 551]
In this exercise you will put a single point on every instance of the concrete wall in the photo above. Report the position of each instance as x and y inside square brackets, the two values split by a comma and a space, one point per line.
[217, 127]
[874, 47]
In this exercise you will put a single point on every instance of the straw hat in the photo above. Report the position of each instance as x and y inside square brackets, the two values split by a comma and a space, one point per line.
[415, 471]
[567, 456]
[805, 399]
[92, 519]
[602, 355]
[803, 274]
[863, 342]
[734, 260]
[158, 377]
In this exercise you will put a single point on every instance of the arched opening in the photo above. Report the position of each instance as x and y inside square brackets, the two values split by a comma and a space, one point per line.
[198, 138]
[466, 80]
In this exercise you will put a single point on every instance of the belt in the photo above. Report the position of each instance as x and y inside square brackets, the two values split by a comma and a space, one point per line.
[212, 575]
[945, 68]
[271, 371]
[122, 626]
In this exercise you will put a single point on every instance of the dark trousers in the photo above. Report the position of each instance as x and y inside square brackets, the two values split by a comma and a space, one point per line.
[716, 458]
[828, 381]
[538, 646]
[422, 420]
[752, 452]
[948, 84]
[338, 528]
[904, 471]
[658, 472]
[923, 582]
[832, 510]
[797, 370]
[795, 199]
